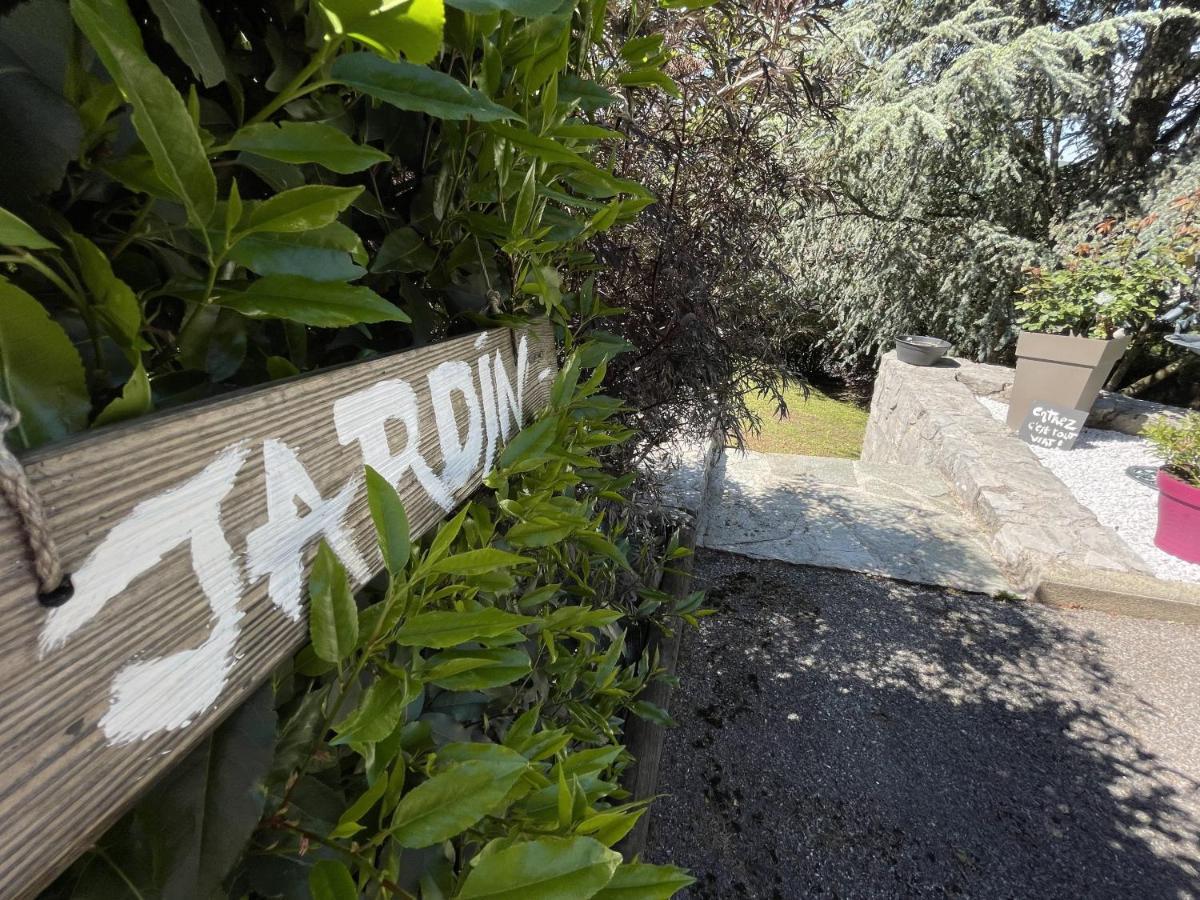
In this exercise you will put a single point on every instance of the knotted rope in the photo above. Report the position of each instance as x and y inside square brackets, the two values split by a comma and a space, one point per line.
[53, 585]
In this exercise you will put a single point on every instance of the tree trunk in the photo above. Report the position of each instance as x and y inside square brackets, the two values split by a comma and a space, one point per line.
[1165, 68]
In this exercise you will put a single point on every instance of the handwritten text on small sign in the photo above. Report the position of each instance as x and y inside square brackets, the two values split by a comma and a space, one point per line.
[1052, 427]
[188, 537]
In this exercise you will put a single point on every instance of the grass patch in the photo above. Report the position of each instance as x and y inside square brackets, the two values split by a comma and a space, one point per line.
[818, 426]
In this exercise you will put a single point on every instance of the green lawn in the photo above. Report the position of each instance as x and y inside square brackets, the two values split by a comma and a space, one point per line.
[818, 426]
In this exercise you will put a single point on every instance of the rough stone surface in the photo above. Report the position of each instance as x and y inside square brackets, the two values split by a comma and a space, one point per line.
[897, 521]
[845, 736]
[1129, 415]
[1114, 412]
[928, 417]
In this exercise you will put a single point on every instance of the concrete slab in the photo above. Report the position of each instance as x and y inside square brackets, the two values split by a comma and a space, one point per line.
[893, 521]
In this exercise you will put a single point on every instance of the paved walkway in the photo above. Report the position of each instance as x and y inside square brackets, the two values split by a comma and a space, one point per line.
[845, 514]
[847, 736]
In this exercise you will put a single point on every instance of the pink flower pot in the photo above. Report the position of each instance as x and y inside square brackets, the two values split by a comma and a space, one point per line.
[1178, 518]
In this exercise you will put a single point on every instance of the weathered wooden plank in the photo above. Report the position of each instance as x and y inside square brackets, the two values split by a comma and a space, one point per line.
[188, 537]
[645, 739]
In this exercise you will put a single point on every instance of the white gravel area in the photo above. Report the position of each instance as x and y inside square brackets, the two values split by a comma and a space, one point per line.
[1112, 474]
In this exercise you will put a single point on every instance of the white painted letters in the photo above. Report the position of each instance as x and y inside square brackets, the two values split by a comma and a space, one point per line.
[165, 693]
[276, 549]
[510, 402]
[363, 417]
[461, 458]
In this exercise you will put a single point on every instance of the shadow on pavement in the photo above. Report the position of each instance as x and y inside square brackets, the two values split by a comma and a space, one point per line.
[848, 736]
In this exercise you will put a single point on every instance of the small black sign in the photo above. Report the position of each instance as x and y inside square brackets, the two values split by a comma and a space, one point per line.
[1053, 427]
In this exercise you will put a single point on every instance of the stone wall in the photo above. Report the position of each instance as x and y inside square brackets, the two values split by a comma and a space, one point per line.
[929, 417]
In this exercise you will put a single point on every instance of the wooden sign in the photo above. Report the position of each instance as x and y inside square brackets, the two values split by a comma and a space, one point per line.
[188, 536]
[1052, 427]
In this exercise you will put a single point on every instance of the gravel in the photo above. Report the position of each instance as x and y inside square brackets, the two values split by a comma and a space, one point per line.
[844, 735]
[1112, 474]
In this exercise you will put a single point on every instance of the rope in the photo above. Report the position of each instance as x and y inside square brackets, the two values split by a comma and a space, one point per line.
[53, 585]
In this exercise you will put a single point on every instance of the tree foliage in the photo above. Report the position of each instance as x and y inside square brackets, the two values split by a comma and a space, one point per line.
[975, 134]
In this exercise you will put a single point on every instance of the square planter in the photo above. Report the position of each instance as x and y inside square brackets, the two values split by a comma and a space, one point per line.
[1065, 371]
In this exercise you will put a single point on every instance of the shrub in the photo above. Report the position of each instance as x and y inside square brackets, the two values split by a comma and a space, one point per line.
[268, 189]
[1178, 446]
[219, 194]
[702, 273]
[1119, 280]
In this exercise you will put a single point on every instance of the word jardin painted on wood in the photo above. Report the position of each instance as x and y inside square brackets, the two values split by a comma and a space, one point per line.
[188, 538]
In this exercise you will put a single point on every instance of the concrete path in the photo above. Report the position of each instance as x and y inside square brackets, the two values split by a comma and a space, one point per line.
[844, 514]
[846, 736]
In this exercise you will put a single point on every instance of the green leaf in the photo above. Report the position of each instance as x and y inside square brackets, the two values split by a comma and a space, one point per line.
[184, 836]
[649, 78]
[391, 523]
[322, 254]
[115, 302]
[411, 27]
[530, 442]
[689, 5]
[642, 881]
[329, 879]
[454, 800]
[378, 713]
[476, 562]
[43, 130]
[278, 367]
[416, 88]
[587, 94]
[528, 9]
[307, 142]
[135, 400]
[539, 532]
[644, 709]
[191, 33]
[316, 303]
[447, 628]
[348, 824]
[548, 869]
[641, 49]
[477, 670]
[300, 209]
[332, 616]
[41, 374]
[544, 148]
[160, 116]
[403, 250]
[15, 233]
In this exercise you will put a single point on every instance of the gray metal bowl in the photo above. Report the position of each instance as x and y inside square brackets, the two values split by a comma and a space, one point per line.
[920, 350]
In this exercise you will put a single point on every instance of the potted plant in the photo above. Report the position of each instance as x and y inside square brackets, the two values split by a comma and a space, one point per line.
[1178, 445]
[1080, 317]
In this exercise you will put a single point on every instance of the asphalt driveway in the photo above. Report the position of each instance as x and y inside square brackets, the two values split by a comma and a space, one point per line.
[843, 735]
